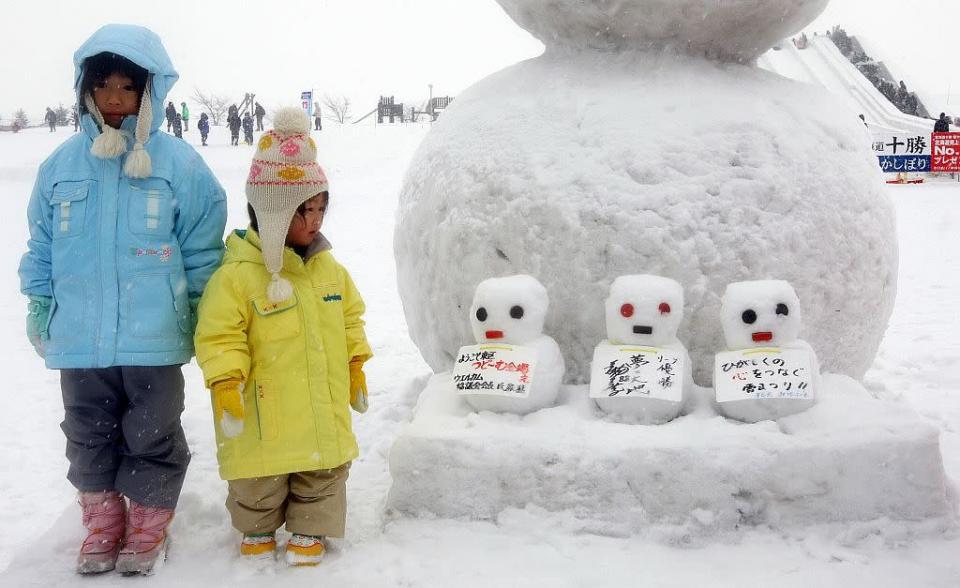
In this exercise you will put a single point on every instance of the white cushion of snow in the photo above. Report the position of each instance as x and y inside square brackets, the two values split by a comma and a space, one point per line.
[851, 457]
[728, 29]
[577, 169]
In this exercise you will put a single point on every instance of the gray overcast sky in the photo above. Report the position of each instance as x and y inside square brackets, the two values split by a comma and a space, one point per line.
[361, 48]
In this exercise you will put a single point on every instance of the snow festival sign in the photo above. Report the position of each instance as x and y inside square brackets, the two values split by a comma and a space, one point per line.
[636, 372]
[495, 370]
[900, 154]
[946, 152]
[763, 373]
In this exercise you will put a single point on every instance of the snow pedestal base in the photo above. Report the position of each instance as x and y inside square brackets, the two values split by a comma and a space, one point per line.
[851, 457]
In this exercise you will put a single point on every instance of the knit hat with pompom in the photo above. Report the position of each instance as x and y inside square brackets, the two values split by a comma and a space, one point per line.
[284, 174]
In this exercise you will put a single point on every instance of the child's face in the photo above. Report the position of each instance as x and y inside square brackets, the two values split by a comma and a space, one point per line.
[116, 97]
[305, 227]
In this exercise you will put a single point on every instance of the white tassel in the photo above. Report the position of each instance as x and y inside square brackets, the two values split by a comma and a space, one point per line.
[279, 289]
[138, 164]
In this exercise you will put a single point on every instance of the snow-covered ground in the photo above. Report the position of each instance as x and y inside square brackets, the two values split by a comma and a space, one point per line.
[918, 366]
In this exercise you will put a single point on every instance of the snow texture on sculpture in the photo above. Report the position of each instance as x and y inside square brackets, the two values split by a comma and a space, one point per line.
[577, 167]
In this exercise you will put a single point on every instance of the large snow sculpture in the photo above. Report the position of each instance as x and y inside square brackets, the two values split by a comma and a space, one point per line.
[644, 140]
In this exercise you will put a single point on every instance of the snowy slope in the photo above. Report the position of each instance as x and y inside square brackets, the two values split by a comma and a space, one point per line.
[822, 63]
[918, 365]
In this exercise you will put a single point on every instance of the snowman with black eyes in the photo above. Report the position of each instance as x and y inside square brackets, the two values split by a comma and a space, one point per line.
[642, 372]
[512, 311]
[761, 321]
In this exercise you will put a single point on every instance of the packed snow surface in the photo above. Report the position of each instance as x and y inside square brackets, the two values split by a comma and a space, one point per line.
[729, 29]
[578, 168]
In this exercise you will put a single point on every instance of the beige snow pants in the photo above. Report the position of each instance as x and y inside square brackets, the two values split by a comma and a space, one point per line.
[310, 503]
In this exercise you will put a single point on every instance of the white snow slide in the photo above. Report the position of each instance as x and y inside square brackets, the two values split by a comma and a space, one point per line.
[822, 63]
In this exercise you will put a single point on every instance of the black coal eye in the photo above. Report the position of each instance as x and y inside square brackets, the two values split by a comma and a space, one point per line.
[782, 309]
[516, 312]
[749, 316]
[481, 314]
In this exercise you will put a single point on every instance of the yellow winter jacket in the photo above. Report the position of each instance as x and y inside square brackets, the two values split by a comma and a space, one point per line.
[292, 356]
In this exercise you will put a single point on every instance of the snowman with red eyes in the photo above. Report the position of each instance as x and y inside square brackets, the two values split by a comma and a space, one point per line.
[767, 372]
[642, 373]
[512, 311]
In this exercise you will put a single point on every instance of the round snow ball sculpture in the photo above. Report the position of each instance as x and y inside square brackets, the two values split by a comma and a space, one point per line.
[739, 30]
[578, 167]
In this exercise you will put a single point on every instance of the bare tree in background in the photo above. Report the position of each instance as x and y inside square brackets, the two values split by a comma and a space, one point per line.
[338, 108]
[216, 106]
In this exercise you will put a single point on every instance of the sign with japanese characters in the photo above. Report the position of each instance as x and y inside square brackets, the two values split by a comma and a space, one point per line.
[946, 152]
[629, 371]
[495, 370]
[306, 101]
[902, 153]
[770, 372]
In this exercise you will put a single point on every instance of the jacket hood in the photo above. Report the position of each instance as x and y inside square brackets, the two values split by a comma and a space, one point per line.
[244, 246]
[141, 46]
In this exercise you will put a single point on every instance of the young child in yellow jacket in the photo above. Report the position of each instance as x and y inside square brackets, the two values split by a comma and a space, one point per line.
[281, 343]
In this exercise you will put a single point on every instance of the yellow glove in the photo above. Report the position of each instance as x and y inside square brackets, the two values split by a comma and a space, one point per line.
[358, 387]
[228, 406]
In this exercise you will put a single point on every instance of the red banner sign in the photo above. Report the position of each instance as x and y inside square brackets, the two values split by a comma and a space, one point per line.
[945, 152]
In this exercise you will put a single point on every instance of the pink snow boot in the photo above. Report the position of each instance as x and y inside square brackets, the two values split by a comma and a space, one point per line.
[104, 515]
[146, 540]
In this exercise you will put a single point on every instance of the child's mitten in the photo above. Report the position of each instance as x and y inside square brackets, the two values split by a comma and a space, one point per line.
[358, 387]
[38, 317]
[228, 406]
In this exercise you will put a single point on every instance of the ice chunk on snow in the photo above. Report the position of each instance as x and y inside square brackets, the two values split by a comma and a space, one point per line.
[728, 29]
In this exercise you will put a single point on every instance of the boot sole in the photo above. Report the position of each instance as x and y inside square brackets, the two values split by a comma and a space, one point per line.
[92, 566]
[134, 566]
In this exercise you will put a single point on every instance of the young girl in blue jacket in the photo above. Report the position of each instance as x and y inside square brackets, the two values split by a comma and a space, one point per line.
[126, 227]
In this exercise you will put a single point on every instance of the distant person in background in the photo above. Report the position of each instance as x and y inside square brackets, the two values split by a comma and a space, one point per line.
[233, 121]
[942, 125]
[864, 119]
[178, 126]
[51, 118]
[171, 113]
[185, 113]
[317, 120]
[247, 128]
[204, 125]
[259, 112]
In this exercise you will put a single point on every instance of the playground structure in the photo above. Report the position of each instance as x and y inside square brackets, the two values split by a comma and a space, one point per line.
[390, 111]
[247, 104]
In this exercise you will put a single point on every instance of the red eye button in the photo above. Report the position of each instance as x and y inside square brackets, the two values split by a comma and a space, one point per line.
[664, 308]
[626, 310]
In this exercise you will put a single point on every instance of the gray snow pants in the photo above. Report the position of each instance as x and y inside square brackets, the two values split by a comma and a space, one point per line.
[123, 431]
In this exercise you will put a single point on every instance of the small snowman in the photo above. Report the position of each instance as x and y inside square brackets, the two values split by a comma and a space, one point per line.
[764, 315]
[644, 312]
[512, 310]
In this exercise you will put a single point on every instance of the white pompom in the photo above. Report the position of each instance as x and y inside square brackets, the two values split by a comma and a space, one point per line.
[110, 144]
[138, 163]
[291, 120]
[279, 289]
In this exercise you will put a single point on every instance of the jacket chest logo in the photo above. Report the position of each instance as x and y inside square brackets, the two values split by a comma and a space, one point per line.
[332, 298]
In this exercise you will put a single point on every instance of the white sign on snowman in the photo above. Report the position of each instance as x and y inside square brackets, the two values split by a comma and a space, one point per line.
[495, 370]
[624, 371]
[763, 373]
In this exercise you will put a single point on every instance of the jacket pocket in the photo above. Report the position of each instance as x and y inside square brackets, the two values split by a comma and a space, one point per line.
[150, 209]
[69, 202]
[275, 321]
[266, 410]
[149, 310]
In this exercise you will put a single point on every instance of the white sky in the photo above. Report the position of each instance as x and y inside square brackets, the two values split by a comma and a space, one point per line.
[364, 48]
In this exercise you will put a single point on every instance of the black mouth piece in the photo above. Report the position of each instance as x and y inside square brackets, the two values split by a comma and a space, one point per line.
[642, 330]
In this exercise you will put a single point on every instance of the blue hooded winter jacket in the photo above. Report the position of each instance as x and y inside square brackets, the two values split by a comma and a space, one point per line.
[122, 258]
